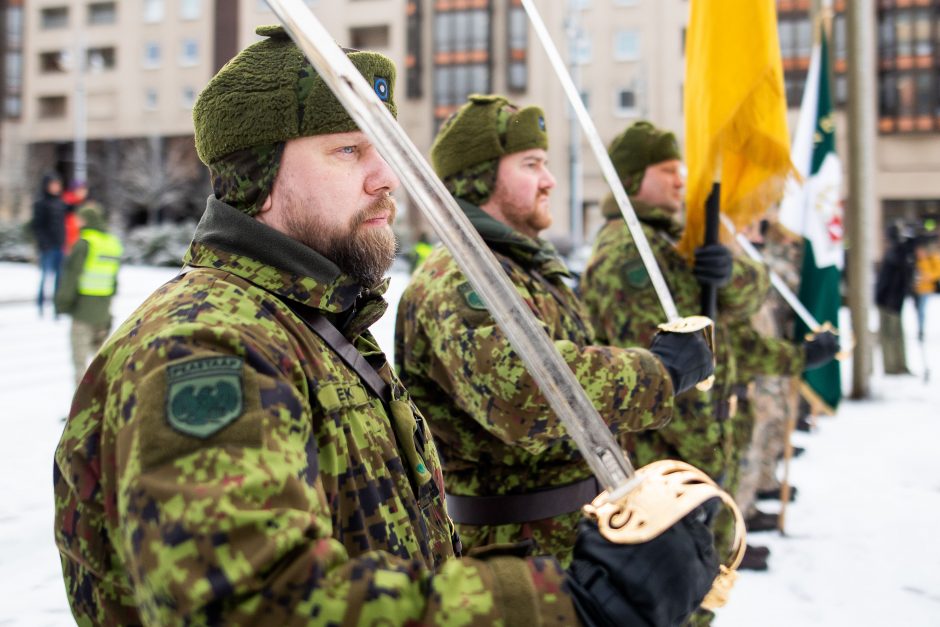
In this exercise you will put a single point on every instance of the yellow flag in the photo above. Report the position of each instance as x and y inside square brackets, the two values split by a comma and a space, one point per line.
[735, 112]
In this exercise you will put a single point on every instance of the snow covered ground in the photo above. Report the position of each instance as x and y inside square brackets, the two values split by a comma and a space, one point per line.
[861, 545]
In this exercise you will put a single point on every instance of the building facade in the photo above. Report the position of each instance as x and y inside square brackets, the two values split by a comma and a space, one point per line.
[123, 76]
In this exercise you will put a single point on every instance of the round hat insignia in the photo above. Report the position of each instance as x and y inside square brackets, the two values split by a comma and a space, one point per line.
[380, 85]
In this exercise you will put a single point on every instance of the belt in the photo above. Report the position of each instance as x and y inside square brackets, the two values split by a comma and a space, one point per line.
[507, 509]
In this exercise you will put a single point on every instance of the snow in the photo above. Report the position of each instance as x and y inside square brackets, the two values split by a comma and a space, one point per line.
[860, 547]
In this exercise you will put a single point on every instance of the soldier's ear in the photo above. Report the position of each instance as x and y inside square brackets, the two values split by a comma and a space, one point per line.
[266, 205]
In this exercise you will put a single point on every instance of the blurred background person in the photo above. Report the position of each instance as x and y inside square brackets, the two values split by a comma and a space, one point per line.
[48, 226]
[89, 281]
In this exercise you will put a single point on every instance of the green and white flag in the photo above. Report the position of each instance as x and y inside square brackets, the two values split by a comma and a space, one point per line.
[813, 209]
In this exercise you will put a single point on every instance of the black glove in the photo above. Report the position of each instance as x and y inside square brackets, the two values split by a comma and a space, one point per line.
[820, 350]
[712, 265]
[686, 356]
[657, 583]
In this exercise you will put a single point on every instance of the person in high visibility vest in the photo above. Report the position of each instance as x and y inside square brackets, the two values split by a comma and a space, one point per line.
[88, 283]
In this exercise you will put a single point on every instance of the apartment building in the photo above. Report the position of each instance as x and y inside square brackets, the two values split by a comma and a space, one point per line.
[907, 149]
[120, 78]
[144, 61]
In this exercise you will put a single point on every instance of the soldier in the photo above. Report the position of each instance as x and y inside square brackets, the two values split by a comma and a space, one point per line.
[774, 398]
[240, 451]
[510, 470]
[89, 281]
[625, 311]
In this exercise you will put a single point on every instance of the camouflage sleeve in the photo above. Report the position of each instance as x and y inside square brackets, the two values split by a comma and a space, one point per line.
[745, 292]
[617, 291]
[233, 526]
[757, 354]
[474, 363]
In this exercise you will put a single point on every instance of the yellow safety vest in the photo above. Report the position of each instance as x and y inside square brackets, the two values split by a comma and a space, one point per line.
[99, 274]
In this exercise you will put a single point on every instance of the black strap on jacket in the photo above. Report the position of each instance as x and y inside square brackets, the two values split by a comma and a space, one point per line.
[510, 509]
[343, 348]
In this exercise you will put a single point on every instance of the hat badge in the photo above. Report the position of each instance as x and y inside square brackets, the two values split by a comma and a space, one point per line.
[380, 85]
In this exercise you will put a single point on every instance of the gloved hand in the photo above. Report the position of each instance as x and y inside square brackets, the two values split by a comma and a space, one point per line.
[712, 265]
[820, 350]
[686, 356]
[658, 583]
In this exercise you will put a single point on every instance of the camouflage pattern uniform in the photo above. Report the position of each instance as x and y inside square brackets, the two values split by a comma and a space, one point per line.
[710, 430]
[625, 311]
[222, 465]
[495, 431]
[774, 398]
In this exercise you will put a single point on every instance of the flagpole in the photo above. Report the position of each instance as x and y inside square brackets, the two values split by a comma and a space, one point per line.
[860, 26]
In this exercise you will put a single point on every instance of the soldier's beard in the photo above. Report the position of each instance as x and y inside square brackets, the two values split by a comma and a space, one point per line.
[363, 252]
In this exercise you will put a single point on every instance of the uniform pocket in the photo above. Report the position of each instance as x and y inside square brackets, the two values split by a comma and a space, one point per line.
[406, 427]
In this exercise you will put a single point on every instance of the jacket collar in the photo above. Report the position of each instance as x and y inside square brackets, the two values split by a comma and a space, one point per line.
[230, 240]
[657, 217]
[532, 253]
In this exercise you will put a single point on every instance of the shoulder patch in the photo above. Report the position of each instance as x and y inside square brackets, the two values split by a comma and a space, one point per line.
[471, 297]
[204, 395]
[635, 274]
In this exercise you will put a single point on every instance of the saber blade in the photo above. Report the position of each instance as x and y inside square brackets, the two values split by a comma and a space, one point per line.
[775, 279]
[607, 166]
[551, 373]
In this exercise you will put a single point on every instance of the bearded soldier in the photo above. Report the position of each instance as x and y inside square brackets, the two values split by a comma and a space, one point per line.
[510, 470]
[241, 452]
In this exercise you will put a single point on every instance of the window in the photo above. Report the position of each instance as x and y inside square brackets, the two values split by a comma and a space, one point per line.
[582, 51]
[54, 17]
[462, 47]
[153, 11]
[98, 59]
[189, 52]
[51, 107]
[625, 3]
[625, 103]
[369, 37]
[150, 99]
[517, 77]
[909, 68]
[189, 97]
[14, 27]
[12, 107]
[52, 62]
[102, 13]
[190, 9]
[414, 43]
[627, 45]
[151, 54]
[13, 75]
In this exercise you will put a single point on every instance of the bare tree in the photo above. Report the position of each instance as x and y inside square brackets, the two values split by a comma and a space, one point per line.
[157, 176]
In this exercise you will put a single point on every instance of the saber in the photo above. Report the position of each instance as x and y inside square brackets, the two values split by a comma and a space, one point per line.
[607, 166]
[674, 322]
[775, 279]
[542, 360]
[635, 506]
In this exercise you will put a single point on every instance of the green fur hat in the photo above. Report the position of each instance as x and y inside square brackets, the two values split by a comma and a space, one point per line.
[641, 145]
[91, 215]
[269, 93]
[485, 129]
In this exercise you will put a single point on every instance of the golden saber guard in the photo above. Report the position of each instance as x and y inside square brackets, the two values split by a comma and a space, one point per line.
[654, 498]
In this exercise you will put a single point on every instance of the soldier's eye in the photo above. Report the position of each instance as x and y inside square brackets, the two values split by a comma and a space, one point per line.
[349, 150]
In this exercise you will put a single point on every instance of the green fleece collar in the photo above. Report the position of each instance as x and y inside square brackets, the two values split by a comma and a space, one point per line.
[229, 240]
[532, 253]
[657, 217]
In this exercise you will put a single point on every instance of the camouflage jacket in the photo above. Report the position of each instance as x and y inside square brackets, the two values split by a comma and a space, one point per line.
[221, 465]
[625, 311]
[494, 428]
